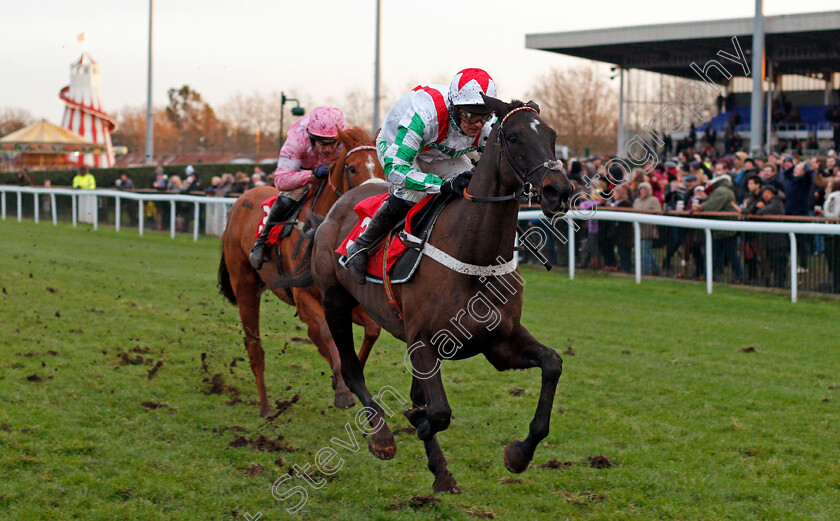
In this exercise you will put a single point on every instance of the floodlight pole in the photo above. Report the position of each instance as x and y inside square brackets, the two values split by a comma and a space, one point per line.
[376, 72]
[283, 100]
[758, 80]
[150, 123]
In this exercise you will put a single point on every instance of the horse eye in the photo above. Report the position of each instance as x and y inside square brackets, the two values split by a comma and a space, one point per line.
[352, 169]
[512, 138]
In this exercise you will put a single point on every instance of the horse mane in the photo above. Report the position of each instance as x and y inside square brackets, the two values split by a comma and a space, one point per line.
[515, 104]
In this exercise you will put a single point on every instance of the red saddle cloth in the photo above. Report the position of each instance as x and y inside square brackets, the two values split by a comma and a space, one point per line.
[365, 210]
[274, 234]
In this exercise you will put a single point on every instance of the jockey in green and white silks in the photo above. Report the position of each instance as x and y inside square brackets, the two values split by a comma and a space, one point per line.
[421, 141]
[422, 145]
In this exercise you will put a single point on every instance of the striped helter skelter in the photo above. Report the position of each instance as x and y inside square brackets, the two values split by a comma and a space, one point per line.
[83, 113]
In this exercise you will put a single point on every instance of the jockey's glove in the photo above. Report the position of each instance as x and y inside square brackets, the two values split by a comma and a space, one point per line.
[455, 185]
[322, 171]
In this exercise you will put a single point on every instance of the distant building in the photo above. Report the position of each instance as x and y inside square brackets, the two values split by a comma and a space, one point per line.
[84, 115]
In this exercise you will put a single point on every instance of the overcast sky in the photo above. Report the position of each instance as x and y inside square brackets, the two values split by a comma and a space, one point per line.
[317, 49]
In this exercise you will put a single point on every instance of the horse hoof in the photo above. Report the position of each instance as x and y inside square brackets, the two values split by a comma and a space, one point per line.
[344, 400]
[382, 445]
[265, 412]
[516, 460]
[446, 485]
[384, 452]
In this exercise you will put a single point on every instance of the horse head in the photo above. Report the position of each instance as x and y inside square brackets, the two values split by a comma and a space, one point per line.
[358, 164]
[527, 157]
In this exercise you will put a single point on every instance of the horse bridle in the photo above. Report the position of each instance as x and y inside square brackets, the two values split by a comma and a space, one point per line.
[347, 177]
[527, 190]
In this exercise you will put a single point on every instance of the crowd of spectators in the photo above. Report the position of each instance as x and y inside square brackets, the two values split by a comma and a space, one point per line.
[192, 184]
[706, 183]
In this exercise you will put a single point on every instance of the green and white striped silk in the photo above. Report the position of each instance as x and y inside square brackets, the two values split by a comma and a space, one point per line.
[418, 127]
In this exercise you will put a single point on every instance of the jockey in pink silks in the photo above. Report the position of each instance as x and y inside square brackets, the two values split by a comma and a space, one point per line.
[310, 144]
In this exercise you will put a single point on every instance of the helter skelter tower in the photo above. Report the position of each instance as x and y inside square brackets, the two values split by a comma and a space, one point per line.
[83, 112]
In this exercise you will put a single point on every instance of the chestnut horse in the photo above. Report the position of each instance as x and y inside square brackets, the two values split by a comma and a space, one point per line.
[460, 311]
[243, 286]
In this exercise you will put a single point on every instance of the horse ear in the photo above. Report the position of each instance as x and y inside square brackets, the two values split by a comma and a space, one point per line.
[344, 137]
[533, 105]
[499, 107]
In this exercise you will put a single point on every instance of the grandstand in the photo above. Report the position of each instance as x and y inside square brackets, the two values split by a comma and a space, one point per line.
[802, 65]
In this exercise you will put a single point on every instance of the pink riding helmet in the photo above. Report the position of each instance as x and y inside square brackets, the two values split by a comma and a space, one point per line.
[468, 85]
[325, 122]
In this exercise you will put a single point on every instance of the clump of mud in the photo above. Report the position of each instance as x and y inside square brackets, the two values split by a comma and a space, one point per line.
[217, 385]
[263, 444]
[600, 462]
[554, 464]
[415, 503]
[282, 406]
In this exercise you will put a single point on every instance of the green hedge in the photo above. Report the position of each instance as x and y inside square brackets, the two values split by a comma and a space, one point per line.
[141, 175]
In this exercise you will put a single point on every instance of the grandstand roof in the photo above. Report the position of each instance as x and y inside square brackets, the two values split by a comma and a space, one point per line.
[804, 44]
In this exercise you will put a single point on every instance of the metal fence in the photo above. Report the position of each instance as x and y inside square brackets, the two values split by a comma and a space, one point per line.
[181, 212]
[798, 255]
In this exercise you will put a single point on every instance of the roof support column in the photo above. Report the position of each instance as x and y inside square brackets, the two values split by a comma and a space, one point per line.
[770, 84]
[758, 80]
[620, 144]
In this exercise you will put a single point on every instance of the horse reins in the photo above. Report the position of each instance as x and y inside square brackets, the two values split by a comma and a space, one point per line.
[527, 188]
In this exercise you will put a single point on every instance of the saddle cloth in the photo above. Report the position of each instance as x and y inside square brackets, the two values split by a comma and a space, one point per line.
[365, 210]
[276, 233]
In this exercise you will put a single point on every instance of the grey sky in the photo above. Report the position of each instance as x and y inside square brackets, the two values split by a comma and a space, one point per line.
[318, 49]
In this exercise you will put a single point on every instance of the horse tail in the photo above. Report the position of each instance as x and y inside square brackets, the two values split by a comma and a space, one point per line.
[225, 288]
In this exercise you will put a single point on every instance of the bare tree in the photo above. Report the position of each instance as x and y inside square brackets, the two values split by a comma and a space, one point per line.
[12, 119]
[131, 131]
[253, 121]
[358, 108]
[581, 105]
[199, 128]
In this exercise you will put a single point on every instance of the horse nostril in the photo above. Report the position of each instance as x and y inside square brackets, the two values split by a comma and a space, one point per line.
[551, 194]
[565, 193]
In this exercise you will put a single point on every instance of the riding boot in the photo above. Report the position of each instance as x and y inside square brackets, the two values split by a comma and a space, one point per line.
[275, 216]
[380, 224]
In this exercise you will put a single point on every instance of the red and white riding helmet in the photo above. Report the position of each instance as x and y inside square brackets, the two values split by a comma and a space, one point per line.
[325, 122]
[468, 85]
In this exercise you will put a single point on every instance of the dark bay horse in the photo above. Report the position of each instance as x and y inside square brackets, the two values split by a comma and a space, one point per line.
[243, 286]
[451, 314]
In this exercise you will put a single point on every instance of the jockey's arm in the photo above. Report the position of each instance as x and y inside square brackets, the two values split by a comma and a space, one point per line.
[289, 175]
[399, 157]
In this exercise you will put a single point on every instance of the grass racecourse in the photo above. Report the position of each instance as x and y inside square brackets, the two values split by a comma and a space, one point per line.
[707, 407]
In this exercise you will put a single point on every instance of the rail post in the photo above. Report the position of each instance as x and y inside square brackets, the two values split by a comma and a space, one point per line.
[571, 248]
[709, 267]
[794, 264]
[637, 242]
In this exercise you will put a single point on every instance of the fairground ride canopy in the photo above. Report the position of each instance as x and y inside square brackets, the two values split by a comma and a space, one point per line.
[43, 145]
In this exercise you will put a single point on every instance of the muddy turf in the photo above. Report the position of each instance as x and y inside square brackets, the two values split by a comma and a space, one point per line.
[125, 393]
